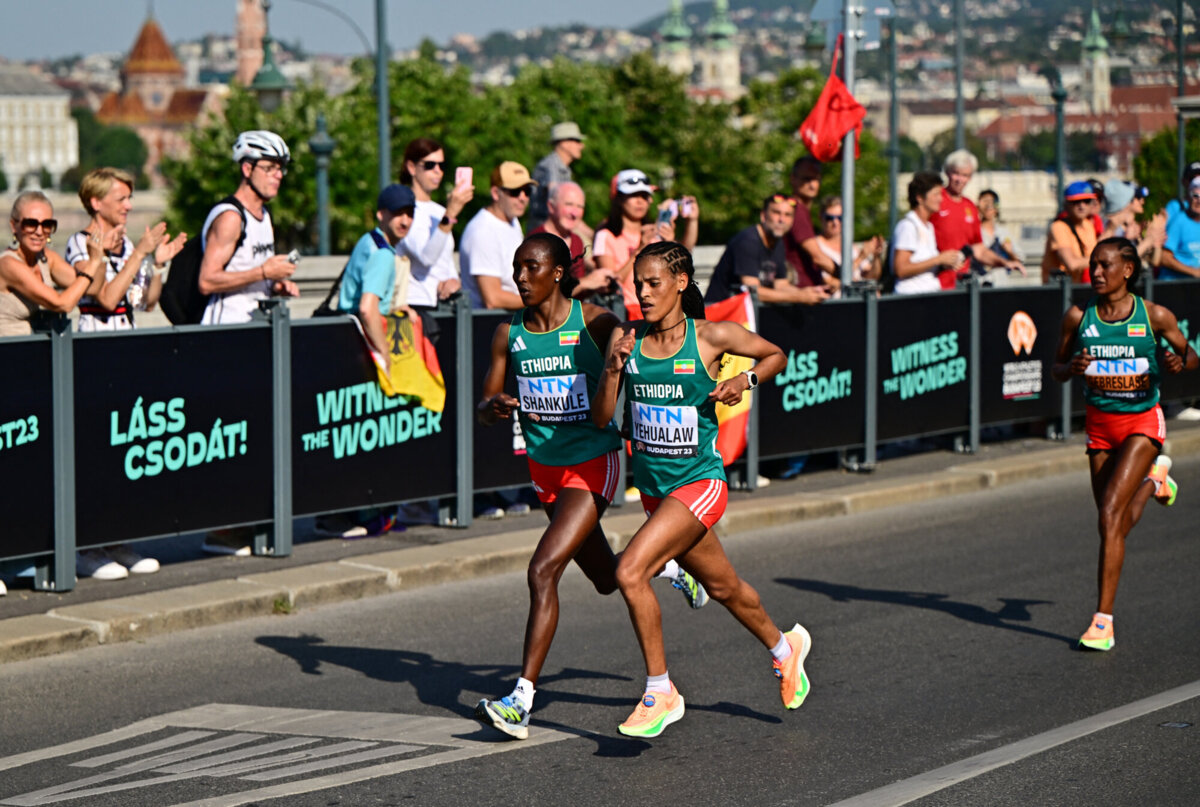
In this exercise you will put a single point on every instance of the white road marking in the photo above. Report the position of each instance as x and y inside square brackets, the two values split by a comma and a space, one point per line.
[924, 784]
[243, 744]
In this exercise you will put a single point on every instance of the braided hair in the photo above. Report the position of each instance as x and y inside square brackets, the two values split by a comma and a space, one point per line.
[1128, 253]
[677, 259]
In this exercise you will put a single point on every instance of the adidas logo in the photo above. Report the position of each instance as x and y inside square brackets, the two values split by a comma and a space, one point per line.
[631, 367]
[518, 344]
[1092, 330]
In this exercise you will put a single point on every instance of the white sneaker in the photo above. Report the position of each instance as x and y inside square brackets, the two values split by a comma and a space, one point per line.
[136, 563]
[492, 513]
[3, 589]
[519, 509]
[94, 563]
[235, 541]
[761, 481]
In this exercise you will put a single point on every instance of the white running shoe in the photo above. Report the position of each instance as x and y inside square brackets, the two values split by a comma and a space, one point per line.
[136, 563]
[519, 509]
[492, 513]
[3, 589]
[94, 563]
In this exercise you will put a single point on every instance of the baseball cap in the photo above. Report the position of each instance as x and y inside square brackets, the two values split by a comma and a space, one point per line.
[1117, 194]
[395, 197]
[567, 130]
[1097, 188]
[511, 175]
[1191, 172]
[1079, 190]
[631, 181]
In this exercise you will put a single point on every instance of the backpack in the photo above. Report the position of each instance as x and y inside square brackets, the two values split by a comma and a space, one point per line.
[181, 299]
[328, 306]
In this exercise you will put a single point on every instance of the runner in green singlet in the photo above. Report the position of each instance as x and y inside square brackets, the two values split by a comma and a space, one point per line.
[669, 362]
[1113, 344]
[553, 347]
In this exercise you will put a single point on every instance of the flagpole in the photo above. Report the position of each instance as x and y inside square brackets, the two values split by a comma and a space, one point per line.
[851, 29]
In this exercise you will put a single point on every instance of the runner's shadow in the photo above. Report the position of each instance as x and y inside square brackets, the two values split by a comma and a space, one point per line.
[1013, 611]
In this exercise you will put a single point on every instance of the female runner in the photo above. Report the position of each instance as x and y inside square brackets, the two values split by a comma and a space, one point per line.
[553, 343]
[669, 361]
[1113, 344]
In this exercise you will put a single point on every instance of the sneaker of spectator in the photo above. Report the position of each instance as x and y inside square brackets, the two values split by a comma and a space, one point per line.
[517, 510]
[338, 525]
[235, 541]
[135, 562]
[96, 564]
[491, 513]
[3, 589]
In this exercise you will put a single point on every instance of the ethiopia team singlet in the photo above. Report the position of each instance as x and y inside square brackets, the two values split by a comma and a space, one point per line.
[1124, 375]
[557, 373]
[674, 422]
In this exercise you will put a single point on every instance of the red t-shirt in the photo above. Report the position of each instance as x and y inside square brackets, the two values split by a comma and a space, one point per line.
[574, 243]
[956, 225]
[798, 258]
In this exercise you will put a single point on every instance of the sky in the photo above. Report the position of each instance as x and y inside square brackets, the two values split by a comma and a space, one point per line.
[53, 28]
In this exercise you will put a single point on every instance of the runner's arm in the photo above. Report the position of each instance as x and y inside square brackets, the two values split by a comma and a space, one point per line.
[729, 337]
[620, 346]
[1065, 363]
[495, 403]
[1182, 356]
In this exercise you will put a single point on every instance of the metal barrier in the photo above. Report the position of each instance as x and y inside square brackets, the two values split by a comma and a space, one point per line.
[125, 436]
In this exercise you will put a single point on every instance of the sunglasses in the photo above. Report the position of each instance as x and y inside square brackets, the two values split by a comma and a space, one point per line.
[780, 199]
[49, 226]
[515, 192]
[268, 168]
[831, 218]
[429, 165]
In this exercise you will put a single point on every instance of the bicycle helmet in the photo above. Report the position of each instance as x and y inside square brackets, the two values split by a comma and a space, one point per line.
[259, 144]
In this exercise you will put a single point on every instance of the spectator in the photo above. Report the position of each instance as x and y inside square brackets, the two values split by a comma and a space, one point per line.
[755, 258]
[25, 267]
[129, 280]
[1181, 253]
[1124, 202]
[868, 256]
[804, 255]
[1174, 207]
[429, 244]
[233, 270]
[566, 143]
[1070, 241]
[125, 280]
[995, 236]
[492, 237]
[1097, 209]
[626, 230]
[957, 222]
[916, 260]
[566, 205]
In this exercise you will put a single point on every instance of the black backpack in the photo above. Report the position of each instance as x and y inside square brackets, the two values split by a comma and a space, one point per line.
[181, 299]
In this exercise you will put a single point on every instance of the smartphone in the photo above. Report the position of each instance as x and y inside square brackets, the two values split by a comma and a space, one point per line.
[664, 216]
[685, 209]
[294, 256]
[464, 175]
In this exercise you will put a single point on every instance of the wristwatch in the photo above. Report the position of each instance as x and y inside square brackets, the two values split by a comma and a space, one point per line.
[751, 377]
[447, 222]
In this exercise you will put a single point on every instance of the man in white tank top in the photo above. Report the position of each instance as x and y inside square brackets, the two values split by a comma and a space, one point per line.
[238, 276]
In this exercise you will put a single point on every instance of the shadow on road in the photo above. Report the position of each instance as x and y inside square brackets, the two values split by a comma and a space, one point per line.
[1011, 613]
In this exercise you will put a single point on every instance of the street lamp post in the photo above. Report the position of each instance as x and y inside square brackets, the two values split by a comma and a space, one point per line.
[322, 146]
[960, 135]
[382, 102]
[1059, 94]
[1180, 122]
[269, 84]
[893, 149]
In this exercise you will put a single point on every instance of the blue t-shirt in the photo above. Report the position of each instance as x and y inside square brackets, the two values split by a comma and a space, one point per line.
[371, 268]
[1183, 239]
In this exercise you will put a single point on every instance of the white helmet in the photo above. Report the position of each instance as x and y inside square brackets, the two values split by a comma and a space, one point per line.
[260, 144]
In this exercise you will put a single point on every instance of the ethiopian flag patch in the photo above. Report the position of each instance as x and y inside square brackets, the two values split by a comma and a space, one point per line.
[568, 338]
[1137, 330]
[685, 367]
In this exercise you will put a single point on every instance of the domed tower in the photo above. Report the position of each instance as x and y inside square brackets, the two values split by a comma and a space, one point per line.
[152, 72]
[1097, 82]
[675, 52]
[721, 68]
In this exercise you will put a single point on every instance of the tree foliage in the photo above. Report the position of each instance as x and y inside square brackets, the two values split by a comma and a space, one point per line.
[1155, 165]
[100, 145]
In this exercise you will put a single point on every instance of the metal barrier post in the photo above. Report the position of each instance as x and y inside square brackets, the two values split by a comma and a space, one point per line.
[752, 424]
[465, 416]
[1064, 430]
[276, 539]
[59, 573]
[976, 355]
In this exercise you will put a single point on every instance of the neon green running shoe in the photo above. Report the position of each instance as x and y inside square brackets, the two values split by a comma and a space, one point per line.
[1165, 488]
[691, 588]
[654, 712]
[1099, 635]
[506, 715]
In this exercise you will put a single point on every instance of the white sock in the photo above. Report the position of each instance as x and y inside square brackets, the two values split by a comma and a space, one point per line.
[658, 683]
[670, 570]
[523, 693]
[782, 648]
[1106, 617]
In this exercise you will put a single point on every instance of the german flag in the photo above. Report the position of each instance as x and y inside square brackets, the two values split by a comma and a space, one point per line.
[733, 422]
[411, 367]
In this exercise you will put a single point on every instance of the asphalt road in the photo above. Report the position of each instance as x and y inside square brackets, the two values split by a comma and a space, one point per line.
[943, 672]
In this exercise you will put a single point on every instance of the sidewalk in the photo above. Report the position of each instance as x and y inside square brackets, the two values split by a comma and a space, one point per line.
[194, 590]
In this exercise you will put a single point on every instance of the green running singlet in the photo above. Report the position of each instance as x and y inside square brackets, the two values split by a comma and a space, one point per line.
[557, 374]
[1124, 375]
[674, 422]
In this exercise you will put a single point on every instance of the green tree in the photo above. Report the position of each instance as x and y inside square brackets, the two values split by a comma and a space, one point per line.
[1155, 165]
[1036, 151]
[943, 143]
[100, 145]
[912, 156]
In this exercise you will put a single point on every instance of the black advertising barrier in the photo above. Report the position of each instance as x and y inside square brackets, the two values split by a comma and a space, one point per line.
[351, 445]
[923, 364]
[172, 431]
[499, 449]
[819, 400]
[1019, 331]
[1182, 297]
[27, 447]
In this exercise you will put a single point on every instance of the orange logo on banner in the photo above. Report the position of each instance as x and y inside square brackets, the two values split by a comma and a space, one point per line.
[1022, 333]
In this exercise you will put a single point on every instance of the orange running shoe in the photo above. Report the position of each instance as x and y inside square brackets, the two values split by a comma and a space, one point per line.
[793, 681]
[655, 712]
[1099, 634]
[1165, 488]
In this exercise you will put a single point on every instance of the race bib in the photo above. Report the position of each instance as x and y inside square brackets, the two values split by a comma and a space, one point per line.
[665, 431]
[555, 398]
[1119, 378]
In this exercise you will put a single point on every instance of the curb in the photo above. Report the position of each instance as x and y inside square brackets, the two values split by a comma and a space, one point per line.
[142, 616]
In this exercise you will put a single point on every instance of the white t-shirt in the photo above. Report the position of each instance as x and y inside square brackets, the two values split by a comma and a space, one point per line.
[488, 247]
[431, 253]
[259, 244]
[917, 237]
[75, 252]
